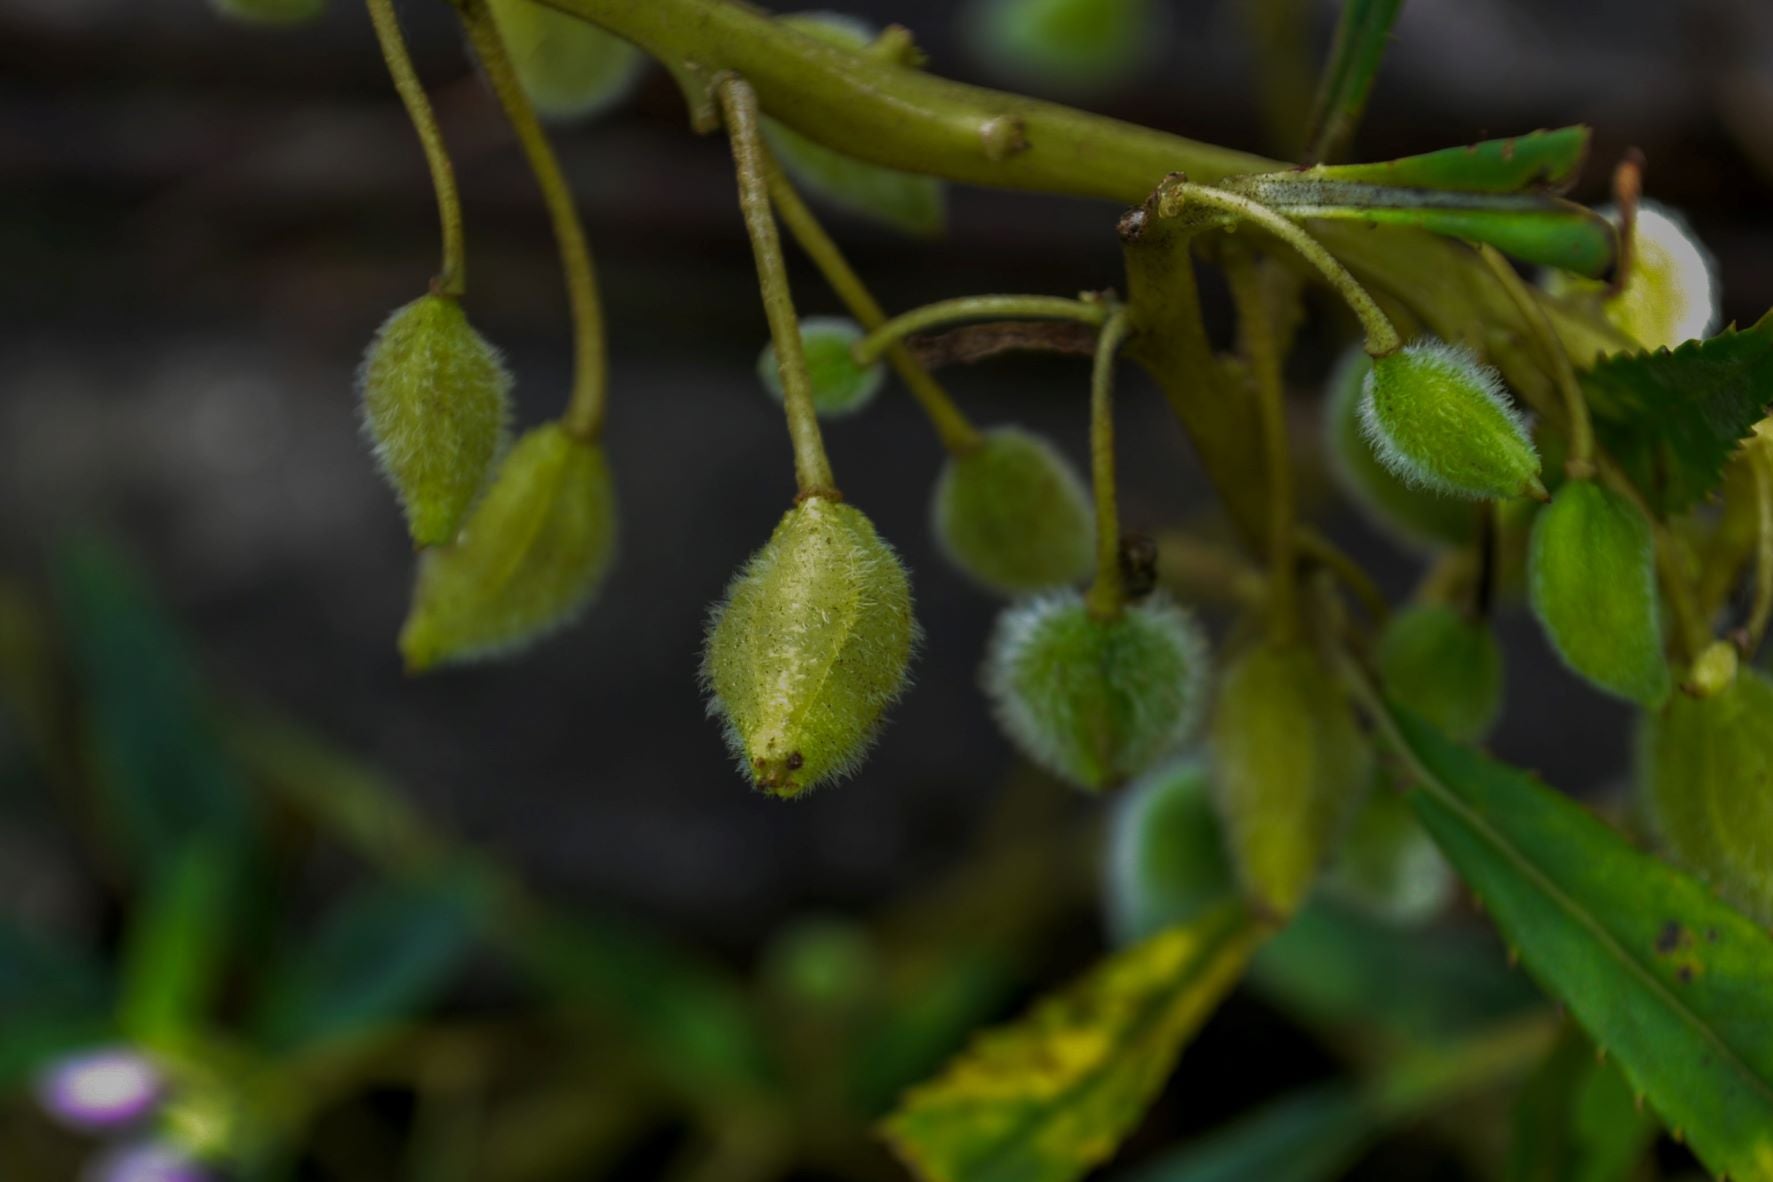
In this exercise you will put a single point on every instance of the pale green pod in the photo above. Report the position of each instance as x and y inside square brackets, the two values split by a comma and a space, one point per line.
[1671, 294]
[1444, 667]
[810, 647]
[1290, 767]
[1413, 513]
[1591, 579]
[435, 400]
[1095, 701]
[1166, 860]
[531, 558]
[569, 68]
[1074, 46]
[1706, 771]
[1387, 865]
[270, 12]
[1438, 417]
[1013, 515]
[840, 386]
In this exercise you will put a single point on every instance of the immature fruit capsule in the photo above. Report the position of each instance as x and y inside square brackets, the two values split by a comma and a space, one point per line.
[270, 12]
[840, 386]
[1591, 578]
[1013, 516]
[435, 401]
[531, 557]
[1671, 292]
[1443, 666]
[569, 68]
[1704, 767]
[810, 647]
[1093, 700]
[1290, 766]
[1388, 866]
[1414, 513]
[1074, 45]
[1166, 860]
[1438, 417]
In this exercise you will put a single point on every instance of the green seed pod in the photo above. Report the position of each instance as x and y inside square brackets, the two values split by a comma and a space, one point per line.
[435, 401]
[1437, 417]
[1704, 767]
[1013, 515]
[1444, 667]
[569, 68]
[1076, 46]
[1388, 866]
[1290, 766]
[1671, 292]
[1166, 860]
[1095, 701]
[270, 12]
[810, 647]
[1415, 514]
[531, 557]
[1591, 578]
[840, 386]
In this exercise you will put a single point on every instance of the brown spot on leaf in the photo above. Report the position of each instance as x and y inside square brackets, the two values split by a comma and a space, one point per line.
[1670, 937]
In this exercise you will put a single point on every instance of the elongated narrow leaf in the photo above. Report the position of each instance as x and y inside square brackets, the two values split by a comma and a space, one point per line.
[1361, 37]
[1672, 417]
[177, 944]
[1673, 984]
[1540, 160]
[1048, 1097]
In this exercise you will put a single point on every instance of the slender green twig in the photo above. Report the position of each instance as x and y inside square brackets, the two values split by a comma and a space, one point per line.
[1761, 610]
[1319, 549]
[738, 107]
[952, 427]
[585, 406]
[1107, 593]
[452, 278]
[1580, 464]
[985, 307]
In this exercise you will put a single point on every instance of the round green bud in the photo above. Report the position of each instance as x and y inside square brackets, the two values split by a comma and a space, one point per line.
[1388, 866]
[840, 386]
[1443, 666]
[1704, 768]
[1671, 293]
[531, 557]
[1093, 700]
[1166, 860]
[1439, 418]
[1591, 580]
[569, 68]
[1412, 512]
[1290, 767]
[1714, 670]
[1013, 515]
[1070, 45]
[810, 647]
[435, 399]
[270, 12]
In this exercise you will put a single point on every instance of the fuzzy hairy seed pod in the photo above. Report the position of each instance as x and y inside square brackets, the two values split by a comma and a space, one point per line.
[1388, 866]
[435, 401]
[840, 386]
[1415, 514]
[1671, 294]
[1704, 766]
[569, 68]
[270, 12]
[1290, 767]
[530, 559]
[1438, 417]
[1591, 579]
[1166, 860]
[1444, 667]
[809, 647]
[1013, 515]
[1095, 701]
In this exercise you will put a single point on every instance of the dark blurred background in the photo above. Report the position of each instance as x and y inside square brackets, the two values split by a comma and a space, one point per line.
[201, 224]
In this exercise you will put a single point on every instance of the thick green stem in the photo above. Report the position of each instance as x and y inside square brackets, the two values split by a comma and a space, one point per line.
[985, 307]
[1107, 594]
[1761, 468]
[1581, 460]
[585, 405]
[452, 277]
[952, 427]
[738, 107]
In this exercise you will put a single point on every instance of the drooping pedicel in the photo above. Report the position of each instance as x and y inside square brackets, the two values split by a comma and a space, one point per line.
[1013, 515]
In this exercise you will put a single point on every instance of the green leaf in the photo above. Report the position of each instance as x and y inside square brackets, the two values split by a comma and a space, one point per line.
[1673, 984]
[1540, 160]
[959, 993]
[53, 998]
[1576, 1120]
[377, 958]
[1361, 37]
[1312, 1136]
[1673, 416]
[1050, 1096]
[177, 946]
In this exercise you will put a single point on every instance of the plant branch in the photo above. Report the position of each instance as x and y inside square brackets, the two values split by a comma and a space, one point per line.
[1108, 592]
[979, 342]
[1761, 468]
[1028, 307]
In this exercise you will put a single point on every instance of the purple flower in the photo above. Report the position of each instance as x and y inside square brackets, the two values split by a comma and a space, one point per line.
[145, 1161]
[100, 1089]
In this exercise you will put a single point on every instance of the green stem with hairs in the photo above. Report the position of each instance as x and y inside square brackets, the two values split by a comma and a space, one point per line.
[1761, 610]
[985, 307]
[1107, 594]
[1580, 464]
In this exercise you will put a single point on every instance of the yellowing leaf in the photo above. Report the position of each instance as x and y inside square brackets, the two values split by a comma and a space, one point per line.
[1050, 1096]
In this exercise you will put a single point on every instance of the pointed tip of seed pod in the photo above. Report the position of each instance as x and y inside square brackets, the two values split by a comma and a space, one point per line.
[1535, 489]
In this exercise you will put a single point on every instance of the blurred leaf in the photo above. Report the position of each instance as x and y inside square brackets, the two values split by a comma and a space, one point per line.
[1576, 1120]
[909, 203]
[960, 990]
[1048, 1097]
[177, 944]
[1540, 160]
[378, 958]
[1672, 417]
[158, 765]
[1075, 46]
[1675, 985]
[1362, 34]
[1312, 1136]
[53, 998]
